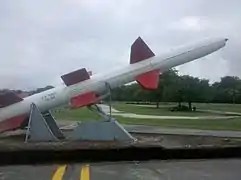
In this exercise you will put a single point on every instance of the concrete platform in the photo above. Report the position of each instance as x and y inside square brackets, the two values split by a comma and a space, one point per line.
[68, 125]
[15, 141]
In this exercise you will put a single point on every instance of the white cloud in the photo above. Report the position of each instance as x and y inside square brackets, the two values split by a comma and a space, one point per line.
[191, 23]
[41, 40]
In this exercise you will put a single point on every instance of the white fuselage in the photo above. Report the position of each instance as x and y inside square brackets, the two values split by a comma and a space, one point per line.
[61, 95]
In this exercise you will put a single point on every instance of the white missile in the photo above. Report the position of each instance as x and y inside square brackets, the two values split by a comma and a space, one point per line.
[82, 90]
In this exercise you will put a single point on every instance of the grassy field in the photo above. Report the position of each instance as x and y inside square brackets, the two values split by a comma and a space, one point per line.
[206, 124]
[84, 114]
[163, 110]
[220, 107]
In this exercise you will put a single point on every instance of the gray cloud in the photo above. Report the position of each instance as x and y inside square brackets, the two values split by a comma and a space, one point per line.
[41, 40]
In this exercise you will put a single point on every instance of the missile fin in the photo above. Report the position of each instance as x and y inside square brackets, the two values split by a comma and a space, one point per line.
[75, 77]
[84, 100]
[12, 123]
[9, 98]
[140, 51]
[149, 80]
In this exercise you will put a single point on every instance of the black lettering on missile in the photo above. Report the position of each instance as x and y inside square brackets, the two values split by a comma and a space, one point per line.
[49, 97]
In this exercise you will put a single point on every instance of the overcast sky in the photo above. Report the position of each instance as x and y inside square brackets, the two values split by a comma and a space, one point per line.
[41, 40]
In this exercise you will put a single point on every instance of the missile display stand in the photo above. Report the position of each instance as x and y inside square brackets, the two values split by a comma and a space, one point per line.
[107, 129]
[43, 127]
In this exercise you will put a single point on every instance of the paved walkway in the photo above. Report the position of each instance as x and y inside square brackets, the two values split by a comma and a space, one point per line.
[202, 110]
[220, 112]
[115, 112]
[140, 116]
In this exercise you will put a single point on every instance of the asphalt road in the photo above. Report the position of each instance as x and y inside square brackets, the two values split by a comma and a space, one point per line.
[153, 170]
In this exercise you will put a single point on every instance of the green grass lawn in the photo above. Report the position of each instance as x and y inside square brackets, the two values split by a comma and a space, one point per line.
[81, 114]
[206, 124]
[220, 107]
[84, 114]
[163, 110]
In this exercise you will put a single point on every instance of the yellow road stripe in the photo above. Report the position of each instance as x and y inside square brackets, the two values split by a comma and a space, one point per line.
[85, 173]
[58, 175]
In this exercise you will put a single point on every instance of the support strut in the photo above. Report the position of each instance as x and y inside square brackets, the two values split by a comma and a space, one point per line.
[106, 130]
[42, 127]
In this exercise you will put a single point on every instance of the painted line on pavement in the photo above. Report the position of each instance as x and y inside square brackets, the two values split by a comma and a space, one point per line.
[58, 175]
[85, 172]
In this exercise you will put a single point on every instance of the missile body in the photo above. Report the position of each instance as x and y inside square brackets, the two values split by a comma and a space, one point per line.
[13, 115]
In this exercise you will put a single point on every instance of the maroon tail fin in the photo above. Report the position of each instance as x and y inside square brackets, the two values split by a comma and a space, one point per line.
[75, 77]
[140, 51]
[9, 98]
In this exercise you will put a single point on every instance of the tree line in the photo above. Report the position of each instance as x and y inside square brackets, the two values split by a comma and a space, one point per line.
[183, 88]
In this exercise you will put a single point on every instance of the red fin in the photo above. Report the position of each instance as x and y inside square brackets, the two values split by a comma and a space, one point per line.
[9, 98]
[75, 77]
[140, 51]
[12, 123]
[84, 100]
[149, 80]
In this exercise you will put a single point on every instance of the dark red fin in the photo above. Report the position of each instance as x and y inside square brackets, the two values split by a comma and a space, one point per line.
[12, 123]
[9, 98]
[149, 80]
[140, 51]
[75, 77]
[84, 100]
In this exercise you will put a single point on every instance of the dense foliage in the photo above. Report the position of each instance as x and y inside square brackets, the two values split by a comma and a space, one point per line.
[183, 88]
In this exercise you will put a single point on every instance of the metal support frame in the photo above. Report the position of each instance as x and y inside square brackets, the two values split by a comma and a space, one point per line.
[110, 100]
[42, 127]
[106, 130]
[109, 130]
[97, 109]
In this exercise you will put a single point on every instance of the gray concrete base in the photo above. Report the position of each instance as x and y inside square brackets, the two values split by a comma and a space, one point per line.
[41, 129]
[101, 131]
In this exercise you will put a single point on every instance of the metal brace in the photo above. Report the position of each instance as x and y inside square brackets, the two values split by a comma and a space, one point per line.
[98, 110]
[110, 100]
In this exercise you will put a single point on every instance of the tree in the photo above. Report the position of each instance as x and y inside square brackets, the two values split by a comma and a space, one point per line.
[191, 89]
[167, 79]
[227, 90]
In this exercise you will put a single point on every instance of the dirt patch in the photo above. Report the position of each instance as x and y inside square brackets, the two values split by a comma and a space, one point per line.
[172, 141]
